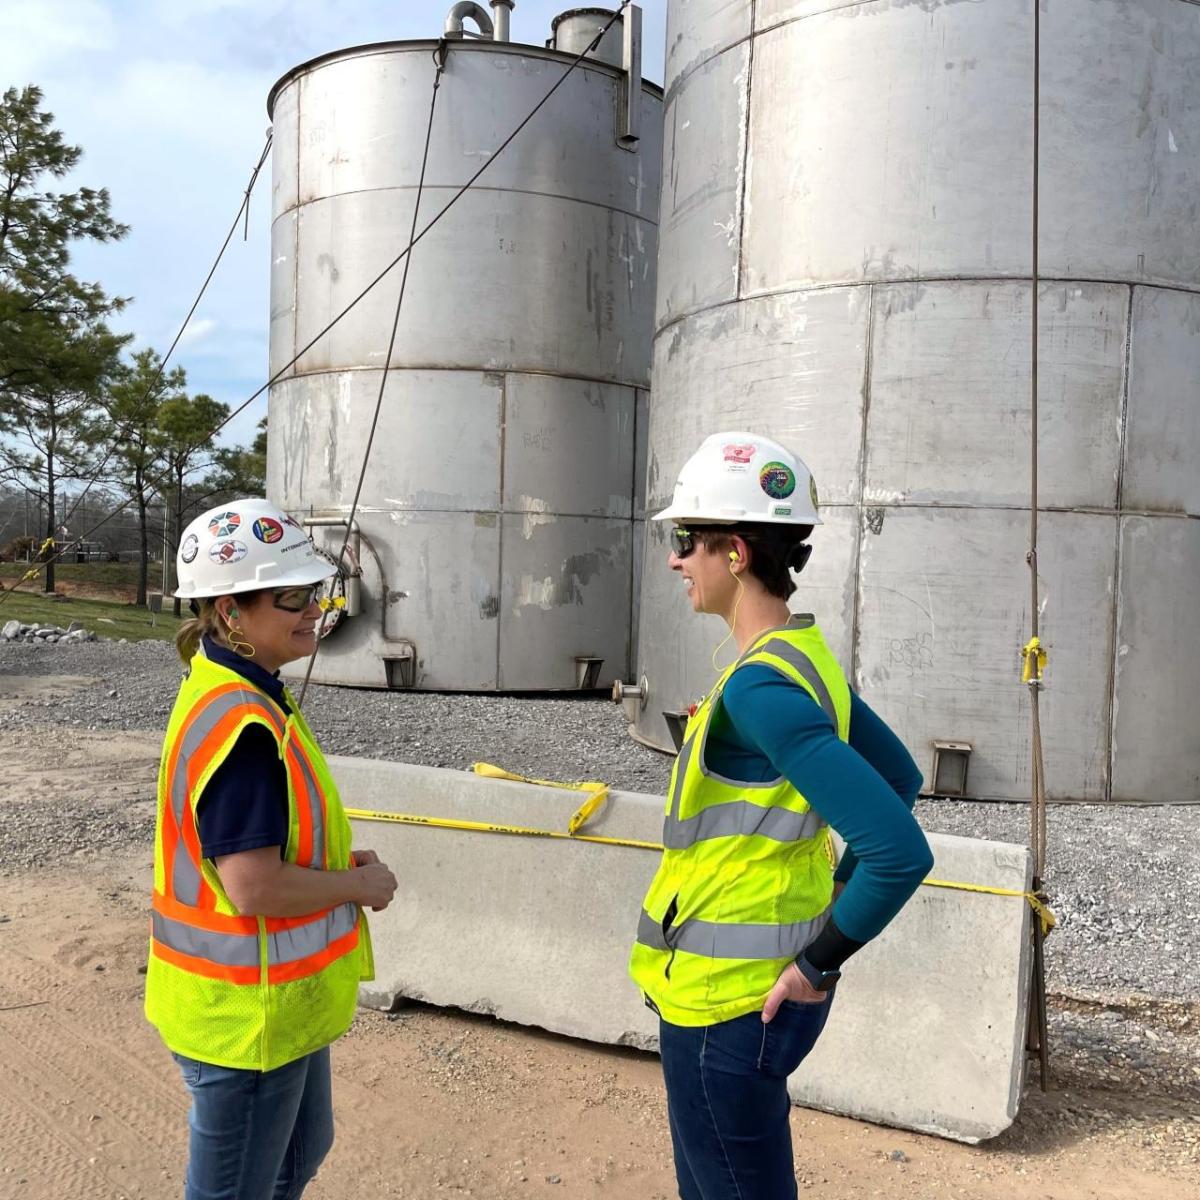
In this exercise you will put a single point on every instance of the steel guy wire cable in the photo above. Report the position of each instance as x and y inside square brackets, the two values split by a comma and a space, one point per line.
[439, 58]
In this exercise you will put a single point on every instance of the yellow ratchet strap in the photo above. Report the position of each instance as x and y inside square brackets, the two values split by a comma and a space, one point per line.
[1036, 901]
[362, 814]
[597, 792]
[1033, 661]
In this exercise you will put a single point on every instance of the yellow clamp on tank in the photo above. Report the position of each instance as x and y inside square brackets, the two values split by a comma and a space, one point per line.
[1033, 661]
[597, 792]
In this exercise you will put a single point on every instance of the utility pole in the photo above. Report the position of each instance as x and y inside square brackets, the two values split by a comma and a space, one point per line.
[165, 543]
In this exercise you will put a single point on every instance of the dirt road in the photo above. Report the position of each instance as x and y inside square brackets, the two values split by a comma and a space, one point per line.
[436, 1103]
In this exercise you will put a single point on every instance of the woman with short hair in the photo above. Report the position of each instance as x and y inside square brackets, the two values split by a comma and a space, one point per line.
[743, 931]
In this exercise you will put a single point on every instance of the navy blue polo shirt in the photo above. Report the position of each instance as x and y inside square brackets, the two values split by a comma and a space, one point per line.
[244, 805]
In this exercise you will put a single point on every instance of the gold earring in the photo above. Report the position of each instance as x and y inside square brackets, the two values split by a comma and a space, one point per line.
[238, 643]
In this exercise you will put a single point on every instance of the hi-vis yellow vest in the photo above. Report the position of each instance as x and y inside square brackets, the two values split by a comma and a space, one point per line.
[745, 881]
[246, 991]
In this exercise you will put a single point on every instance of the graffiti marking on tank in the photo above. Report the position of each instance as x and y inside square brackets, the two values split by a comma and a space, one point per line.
[913, 654]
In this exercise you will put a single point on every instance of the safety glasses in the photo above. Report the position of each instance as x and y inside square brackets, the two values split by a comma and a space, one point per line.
[297, 599]
[683, 541]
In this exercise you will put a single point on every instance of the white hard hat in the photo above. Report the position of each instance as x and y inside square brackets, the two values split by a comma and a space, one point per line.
[244, 545]
[737, 478]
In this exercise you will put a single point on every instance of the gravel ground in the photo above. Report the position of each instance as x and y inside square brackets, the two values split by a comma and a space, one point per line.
[1124, 881]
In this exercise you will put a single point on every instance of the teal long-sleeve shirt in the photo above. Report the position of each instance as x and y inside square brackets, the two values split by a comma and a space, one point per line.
[765, 727]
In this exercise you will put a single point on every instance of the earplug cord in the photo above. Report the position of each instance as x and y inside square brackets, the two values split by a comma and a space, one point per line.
[733, 619]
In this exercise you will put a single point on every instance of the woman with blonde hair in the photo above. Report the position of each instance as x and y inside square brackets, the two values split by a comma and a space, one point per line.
[258, 935]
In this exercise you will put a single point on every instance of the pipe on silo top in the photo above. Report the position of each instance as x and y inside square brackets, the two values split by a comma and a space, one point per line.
[468, 10]
[502, 18]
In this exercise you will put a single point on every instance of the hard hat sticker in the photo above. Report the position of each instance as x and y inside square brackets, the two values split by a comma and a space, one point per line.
[223, 524]
[737, 455]
[268, 530]
[812, 492]
[190, 548]
[778, 480]
[227, 552]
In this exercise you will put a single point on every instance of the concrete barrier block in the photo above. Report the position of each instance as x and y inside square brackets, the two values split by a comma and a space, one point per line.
[928, 1028]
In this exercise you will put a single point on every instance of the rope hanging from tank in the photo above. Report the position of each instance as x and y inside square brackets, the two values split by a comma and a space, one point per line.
[1033, 654]
[439, 59]
[243, 212]
[274, 378]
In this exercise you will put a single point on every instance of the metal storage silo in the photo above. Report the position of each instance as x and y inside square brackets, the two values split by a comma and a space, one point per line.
[496, 525]
[845, 263]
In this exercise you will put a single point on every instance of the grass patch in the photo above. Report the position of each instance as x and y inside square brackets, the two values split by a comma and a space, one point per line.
[122, 574]
[102, 617]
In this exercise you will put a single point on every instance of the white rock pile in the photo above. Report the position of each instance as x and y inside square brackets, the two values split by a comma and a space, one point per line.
[16, 631]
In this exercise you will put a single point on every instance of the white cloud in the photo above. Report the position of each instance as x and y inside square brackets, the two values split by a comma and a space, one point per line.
[36, 33]
[198, 330]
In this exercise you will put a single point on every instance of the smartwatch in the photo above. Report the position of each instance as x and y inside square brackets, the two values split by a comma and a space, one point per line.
[821, 981]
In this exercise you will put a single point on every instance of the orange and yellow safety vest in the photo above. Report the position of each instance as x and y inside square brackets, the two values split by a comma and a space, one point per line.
[244, 991]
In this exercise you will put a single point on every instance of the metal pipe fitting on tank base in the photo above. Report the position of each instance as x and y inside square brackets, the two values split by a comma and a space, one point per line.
[631, 697]
[468, 10]
[353, 577]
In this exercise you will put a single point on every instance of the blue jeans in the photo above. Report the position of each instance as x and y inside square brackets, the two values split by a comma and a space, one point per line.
[257, 1135]
[728, 1102]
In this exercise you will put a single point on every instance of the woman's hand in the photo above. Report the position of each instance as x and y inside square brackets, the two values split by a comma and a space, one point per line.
[375, 883]
[790, 985]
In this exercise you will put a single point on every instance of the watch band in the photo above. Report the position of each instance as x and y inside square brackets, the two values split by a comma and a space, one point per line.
[820, 981]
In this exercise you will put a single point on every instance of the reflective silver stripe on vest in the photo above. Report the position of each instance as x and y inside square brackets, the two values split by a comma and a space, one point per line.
[228, 949]
[714, 939]
[741, 818]
[808, 672]
[650, 932]
[291, 945]
[315, 815]
[185, 874]
[681, 769]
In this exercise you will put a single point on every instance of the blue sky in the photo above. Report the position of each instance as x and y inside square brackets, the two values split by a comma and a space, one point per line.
[168, 100]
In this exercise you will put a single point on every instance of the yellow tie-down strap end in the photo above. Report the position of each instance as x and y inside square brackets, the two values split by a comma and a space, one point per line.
[1033, 661]
[1036, 901]
[597, 792]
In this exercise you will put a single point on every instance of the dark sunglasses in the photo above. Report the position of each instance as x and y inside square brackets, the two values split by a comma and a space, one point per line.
[297, 599]
[683, 541]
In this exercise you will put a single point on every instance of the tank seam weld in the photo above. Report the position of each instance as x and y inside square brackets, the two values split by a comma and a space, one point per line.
[533, 372]
[844, 285]
[1110, 725]
[451, 187]
[868, 357]
[739, 268]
